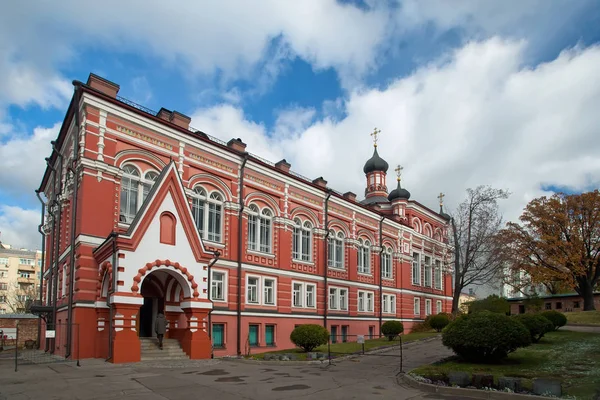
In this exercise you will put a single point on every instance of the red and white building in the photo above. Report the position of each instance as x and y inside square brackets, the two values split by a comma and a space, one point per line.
[234, 249]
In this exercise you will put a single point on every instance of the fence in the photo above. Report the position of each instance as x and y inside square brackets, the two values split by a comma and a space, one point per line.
[363, 345]
[52, 350]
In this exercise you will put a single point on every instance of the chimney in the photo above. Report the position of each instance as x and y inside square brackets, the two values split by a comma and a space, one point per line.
[103, 85]
[350, 196]
[164, 114]
[320, 182]
[237, 145]
[181, 120]
[283, 165]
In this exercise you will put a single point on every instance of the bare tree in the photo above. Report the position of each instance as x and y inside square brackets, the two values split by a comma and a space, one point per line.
[20, 296]
[475, 223]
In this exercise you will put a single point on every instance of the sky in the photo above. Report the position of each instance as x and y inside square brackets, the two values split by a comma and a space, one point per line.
[465, 93]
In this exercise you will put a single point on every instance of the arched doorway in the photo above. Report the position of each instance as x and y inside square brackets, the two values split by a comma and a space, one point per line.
[159, 289]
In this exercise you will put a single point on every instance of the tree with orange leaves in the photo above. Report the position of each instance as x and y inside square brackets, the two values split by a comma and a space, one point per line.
[558, 240]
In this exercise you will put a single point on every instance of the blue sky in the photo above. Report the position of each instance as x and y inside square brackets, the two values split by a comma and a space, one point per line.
[468, 93]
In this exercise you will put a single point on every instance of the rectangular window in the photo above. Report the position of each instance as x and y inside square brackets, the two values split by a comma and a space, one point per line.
[386, 265]
[427, 307]
[253, 335]
[427, 271]
[270, 335]
[438, 274]
[392, 304]
[370, 302]
[334, 334]
[24, 274]
[416, 270]
[344, 333]
[310, 295]
[218, 336]
[338, 299]
[269, 291]
[26, 261]
[214, 222]
[575, 304]
[265, 235]
[2, 299]
[297, 243]
[361, 301]
[3, 260]
[371, 331]
[558, 305]
[548, 306]
[217, 286]
[297, 296]
[252, 243]
[3, 286]
[252, 290]
[438, 306]
[417, 306]
[389, 304]
[333, 297]
[343, 297]
[385, 303]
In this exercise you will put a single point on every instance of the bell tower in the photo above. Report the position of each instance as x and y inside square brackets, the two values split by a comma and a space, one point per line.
[375, 170]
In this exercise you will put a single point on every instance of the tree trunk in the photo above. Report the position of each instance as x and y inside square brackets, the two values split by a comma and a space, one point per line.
[587, 292]
[457, 281]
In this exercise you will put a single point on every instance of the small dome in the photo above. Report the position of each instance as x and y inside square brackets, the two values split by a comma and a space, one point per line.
[375, 163]
[444, 215]
[399, 193]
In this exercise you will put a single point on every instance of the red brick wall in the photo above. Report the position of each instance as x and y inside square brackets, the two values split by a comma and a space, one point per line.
[28, 328]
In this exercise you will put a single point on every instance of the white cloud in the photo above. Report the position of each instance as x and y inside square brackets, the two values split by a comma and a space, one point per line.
[22, 160]
[479, 116]
[18, 227]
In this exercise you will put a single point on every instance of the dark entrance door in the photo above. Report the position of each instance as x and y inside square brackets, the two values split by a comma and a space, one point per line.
[146, 318]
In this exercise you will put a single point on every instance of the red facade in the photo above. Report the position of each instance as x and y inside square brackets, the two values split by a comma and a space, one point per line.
[158, 200]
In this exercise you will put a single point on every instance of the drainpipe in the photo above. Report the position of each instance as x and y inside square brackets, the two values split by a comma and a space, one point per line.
[56, 258]
[381, 274]
[52, 255]
[115, 268]
[326, 261]
[41, 231]
[239, 256]
[217, 255]
[73, 169]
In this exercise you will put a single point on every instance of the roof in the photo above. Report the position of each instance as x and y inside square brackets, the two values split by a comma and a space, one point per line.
[374, 200]
[399, 193]
[375, 163]
[17, 316]
[18, 252]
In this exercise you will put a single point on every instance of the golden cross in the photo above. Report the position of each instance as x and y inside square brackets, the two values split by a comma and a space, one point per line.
[441, 197]
[399, 171]
[374, 134]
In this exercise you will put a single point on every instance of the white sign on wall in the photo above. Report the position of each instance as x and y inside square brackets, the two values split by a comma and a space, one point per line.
[360, 339]
[50, 334]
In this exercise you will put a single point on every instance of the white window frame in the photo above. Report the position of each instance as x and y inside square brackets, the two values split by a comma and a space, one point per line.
[142, 183]
[388, 303]
[364, 257]
[302, 295]
[273, 288]
[368, 301]
[438, 275]
[207, 204]
[248, 277]
[428, 271]
[257, 219]
[224, 284]
[416, 269]
[260, 290]
[336, 250]
[417, 306]
[3, 261]
[337, 295]
[386, 264]
[302, 231]
[438, 306]
[427, 307]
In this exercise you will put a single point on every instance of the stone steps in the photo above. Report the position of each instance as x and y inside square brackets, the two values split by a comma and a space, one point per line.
[171, 350]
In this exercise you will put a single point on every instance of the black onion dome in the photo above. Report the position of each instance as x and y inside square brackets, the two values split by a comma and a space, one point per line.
[375, 163]
[444, 215]
[399, 193]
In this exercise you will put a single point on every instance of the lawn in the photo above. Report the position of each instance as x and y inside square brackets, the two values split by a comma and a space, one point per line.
[573, 357]
[339, 349]
[583, 318]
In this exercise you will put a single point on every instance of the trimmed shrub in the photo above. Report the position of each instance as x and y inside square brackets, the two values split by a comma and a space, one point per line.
[309, 336]
[536, 324]
[491, 303]
[439, 321]
[485, 336]
[420, 327]
[391, 329]
[558, 319]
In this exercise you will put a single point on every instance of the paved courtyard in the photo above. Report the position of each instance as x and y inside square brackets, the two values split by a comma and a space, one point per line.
[365, 377]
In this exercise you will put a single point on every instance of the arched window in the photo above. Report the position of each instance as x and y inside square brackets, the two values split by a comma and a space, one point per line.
[207, 212]
[259, 229]
[386, 263]
[364, 257]
[167, 228]
[335, 254]
[129, 193]
[302, 240]
[134, 190]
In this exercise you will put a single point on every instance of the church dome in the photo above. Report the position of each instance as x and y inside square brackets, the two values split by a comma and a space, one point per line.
[399, 193]
[375, 163]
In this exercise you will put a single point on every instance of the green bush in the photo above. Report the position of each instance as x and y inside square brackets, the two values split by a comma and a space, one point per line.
[391, 329]
[485, 336]
[558, 319]
[420, 327]
[536, 324]
[439, 321]
[309, 336]
[491, 303]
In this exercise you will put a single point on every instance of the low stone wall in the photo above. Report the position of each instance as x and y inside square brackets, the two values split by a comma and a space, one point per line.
[28, 327]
